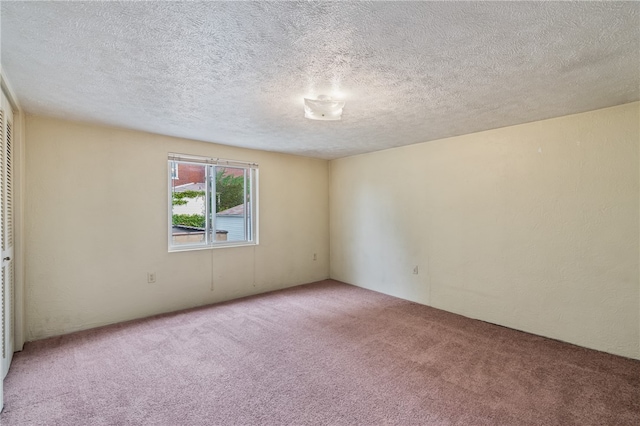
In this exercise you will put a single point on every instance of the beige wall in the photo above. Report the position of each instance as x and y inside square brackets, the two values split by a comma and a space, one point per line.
[533, 227]
[96, 223]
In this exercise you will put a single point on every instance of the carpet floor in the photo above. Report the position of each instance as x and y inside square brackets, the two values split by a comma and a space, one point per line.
[320, 354]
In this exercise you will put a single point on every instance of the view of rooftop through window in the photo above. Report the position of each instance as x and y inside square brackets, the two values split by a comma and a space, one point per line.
[210, 204]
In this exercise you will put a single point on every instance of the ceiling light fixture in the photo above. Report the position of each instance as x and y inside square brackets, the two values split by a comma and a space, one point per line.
[323, 108]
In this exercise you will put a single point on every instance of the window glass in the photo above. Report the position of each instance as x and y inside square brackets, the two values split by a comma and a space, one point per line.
[211, 204]
[188, 204]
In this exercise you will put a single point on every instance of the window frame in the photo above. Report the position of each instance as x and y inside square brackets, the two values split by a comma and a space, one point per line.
[251, 213]
[173, 172]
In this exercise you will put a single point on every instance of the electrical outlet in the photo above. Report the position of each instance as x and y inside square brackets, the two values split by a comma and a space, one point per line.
[315, 256]
[151, 277]
[415, 270]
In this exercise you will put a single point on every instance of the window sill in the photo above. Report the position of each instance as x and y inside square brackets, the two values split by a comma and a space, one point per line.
[209, 247]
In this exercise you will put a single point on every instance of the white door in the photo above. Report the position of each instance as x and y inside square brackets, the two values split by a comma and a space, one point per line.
[6, 236]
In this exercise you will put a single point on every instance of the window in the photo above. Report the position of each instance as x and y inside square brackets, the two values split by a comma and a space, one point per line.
[212, 202]
[174, 170]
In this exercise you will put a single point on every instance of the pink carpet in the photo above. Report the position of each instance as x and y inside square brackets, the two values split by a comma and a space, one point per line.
[321, 354]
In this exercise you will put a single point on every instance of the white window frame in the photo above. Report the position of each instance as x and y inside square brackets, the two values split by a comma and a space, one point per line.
[173, 171]
[251, 179]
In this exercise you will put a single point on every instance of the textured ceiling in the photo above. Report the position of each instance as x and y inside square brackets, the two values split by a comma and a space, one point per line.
[235, 73]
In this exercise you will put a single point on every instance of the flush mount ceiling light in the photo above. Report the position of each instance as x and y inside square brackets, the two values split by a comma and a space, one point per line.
[323, 108]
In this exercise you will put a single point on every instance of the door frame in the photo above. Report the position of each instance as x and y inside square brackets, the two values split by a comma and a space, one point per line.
[18, 210]
[18, 144]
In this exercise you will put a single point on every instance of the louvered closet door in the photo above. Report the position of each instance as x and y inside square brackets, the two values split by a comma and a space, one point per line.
[6, 232]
